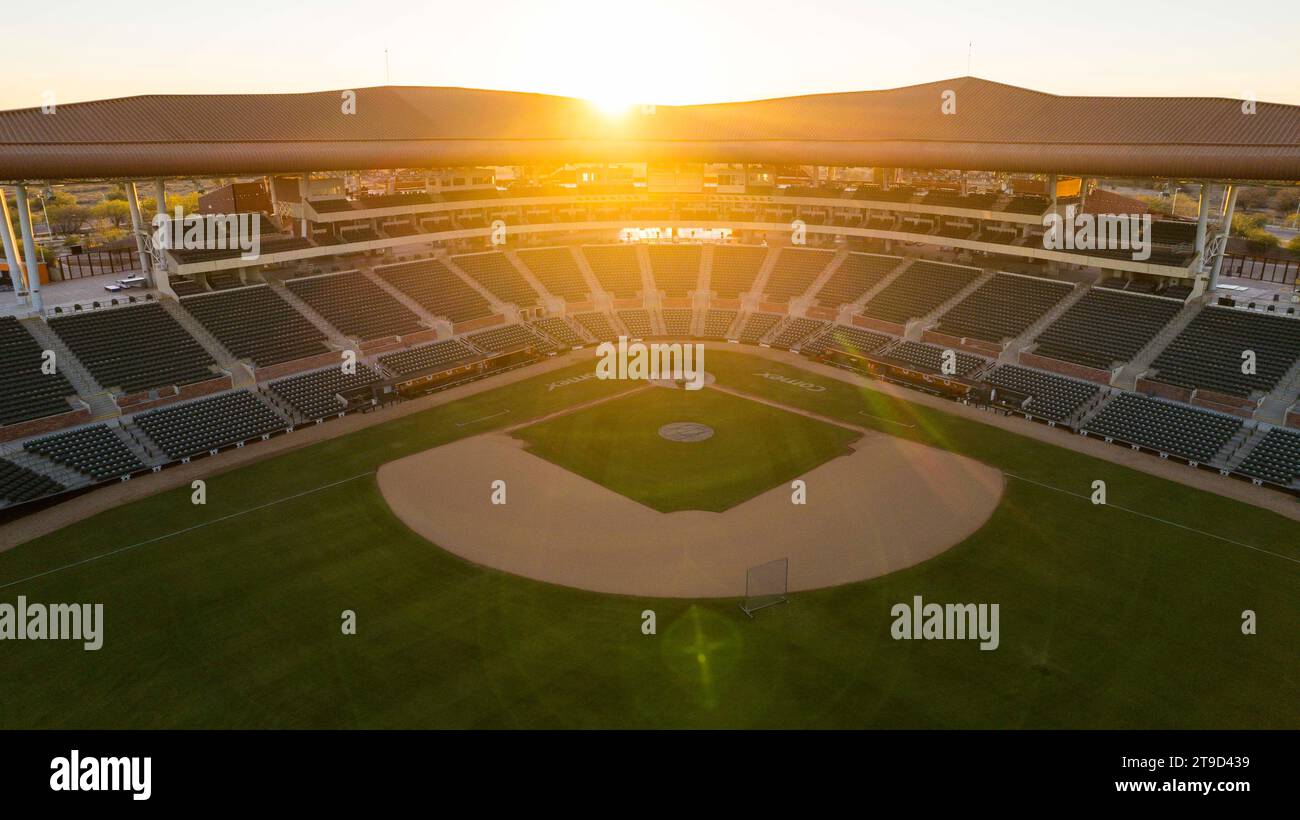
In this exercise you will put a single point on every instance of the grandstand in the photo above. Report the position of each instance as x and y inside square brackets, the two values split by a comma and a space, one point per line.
[556, 269]
[1105, 328]
[355, 305]
[1002, 308]
[28, 392]
[616, 268]
[794, 271]
[734, 269]
[858, 274]
[921, 288]
[494, 272]
[437, 289]
[135, 348]
[676, 268]
[255, 323]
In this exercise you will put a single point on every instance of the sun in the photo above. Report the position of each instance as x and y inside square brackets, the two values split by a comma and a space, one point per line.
[611, 105]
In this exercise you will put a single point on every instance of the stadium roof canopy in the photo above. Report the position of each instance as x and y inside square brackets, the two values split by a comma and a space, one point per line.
[995, 127]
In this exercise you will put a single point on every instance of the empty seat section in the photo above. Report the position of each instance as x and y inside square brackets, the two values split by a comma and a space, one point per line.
[1003, 307]
[849, 340]
[96, 451]
[930, 357]
[1161, 425]
[796, 330]
[559, 330]
[918, 290]
[437, 289]
[757, 326]
[496, 273]
[1208, 353]
[425, 357]
[676, 268]
[195, 427]
[558, 272]
[315, 395]
[598, 325]
[355, 305]
[19, 484]
[616, 269]
[509, 339]
[859, 273]
[734, 269]
[28, 393]
[1105, 328]
[1050, 396]
[135, 348]
[795, 270]
[257, 324]
[1275, 458]
[677, 321]
[637, 322]
[716, 323]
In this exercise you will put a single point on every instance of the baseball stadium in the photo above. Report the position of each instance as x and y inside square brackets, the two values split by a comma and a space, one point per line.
[365, 469]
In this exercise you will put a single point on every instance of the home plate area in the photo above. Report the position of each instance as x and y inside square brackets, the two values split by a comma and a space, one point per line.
[673, 493]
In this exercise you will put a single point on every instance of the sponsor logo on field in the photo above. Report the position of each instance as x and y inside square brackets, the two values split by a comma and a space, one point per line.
[652, 362]
[811, 387]
[569, 381]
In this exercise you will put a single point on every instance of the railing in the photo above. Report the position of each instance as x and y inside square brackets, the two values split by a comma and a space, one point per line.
[94, 263]
[1278, 270]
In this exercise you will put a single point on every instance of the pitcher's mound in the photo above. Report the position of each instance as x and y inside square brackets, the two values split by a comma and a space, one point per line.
[889, 505]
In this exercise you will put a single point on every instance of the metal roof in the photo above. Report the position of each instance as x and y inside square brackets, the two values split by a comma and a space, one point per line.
[996, 127]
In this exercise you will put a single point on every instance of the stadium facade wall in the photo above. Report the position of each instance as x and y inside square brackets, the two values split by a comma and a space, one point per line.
[870, 323]
[1164, 391]
[774, 307]
[136, 402]
[419, 337]
[818, 312]
[1231, 409]
[48, 424]
[486, 321]
[1077, 371]
[276, 371]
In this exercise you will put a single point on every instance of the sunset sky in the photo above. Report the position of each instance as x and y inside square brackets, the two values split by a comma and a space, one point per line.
[659, 52]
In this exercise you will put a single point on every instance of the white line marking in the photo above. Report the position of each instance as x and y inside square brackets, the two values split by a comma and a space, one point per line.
[485, 418]
[165, 536]
[1155, 518]
[882, 418]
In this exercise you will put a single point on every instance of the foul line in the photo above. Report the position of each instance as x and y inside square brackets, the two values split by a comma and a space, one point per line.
[1155, 518]
[882, 418]
[165, 536]
[484, 418]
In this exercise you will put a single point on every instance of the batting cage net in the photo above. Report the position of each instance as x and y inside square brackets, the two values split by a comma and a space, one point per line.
[765, 585]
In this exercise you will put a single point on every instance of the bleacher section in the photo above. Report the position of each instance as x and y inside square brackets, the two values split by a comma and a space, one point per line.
[18, 484]
[134, 348]
[1208, 352]
[495, 272]
[1105, 327]
[355, 305]
[508, 339]
[437, 289]
[757, 326]
[196, 427]
[95, 451]
[597, 325]
[676, 268]
[315, 395]
[1051, 397]
[859, 273]
[929, 358]
[559, 330]
[677, 321]
[256, 323]
[1003, 307]
[558, 272]
[1275, 458]
[918, 290]
[794, 271]
[848, 339]
[734, 269]
[716, 323]
[616, 269]
[439, 354]
[637, 322]
[796, 330]
[1171, 428]
[27, 392]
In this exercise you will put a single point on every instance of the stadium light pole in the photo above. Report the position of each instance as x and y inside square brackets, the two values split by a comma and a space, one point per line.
[11, 251]
[29, 248]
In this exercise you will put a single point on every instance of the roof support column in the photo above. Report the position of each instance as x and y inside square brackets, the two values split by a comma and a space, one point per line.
[1202, 219]
[11, 249]
[160, 195]
[1224, 232]
[29, 249]
[1051, 190]
[137, 228]
[304, 189]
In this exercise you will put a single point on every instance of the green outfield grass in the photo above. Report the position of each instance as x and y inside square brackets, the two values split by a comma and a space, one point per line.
[1108, 618]
[754, 447]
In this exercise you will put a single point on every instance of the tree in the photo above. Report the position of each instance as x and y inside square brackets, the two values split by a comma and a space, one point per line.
[67, 219]
[113, 211]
